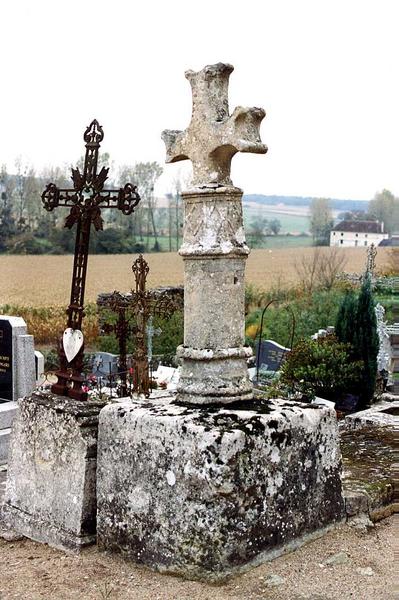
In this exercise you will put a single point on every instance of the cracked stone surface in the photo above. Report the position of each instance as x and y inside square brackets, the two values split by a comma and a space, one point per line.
[368, 455]
[205, 492]
[50, 494]
[214, 136]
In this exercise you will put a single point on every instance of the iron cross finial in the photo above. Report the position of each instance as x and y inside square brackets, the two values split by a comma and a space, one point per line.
[214, 136]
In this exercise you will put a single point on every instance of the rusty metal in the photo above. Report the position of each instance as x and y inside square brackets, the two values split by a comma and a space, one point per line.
[123, 328]
[134, 312]
[141, 303]
[85, 199]
[370, 261]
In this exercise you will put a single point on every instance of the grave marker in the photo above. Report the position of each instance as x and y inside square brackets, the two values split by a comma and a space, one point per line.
[270, 355]
[105, 364]
[221, 481]
[39, 367]
[6, 363]
[135, 313]
[17, 359]
[51, 486]
[85, 199]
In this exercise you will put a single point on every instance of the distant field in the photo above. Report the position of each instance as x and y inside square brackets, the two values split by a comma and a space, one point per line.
[45, 280]
[290, 223]
[284, 241]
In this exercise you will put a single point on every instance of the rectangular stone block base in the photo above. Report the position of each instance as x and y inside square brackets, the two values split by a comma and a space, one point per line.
[205, 493]
[51, 485]
[7, 413]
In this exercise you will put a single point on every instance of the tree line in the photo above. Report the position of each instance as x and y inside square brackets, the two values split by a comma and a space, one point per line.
[27, 228]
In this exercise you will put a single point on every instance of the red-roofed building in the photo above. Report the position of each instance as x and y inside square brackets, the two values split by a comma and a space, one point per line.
[357, 233]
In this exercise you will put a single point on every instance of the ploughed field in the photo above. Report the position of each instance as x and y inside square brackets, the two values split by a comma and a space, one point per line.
[39, 281]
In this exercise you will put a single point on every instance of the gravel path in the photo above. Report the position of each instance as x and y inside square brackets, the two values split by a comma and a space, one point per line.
[362, 569]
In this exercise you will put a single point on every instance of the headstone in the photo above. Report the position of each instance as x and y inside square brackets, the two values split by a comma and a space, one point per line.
[39, 367]
[8, 411]
[168, 376]
[105, 364]
[17, 359]
[270, 356]
[6, 362]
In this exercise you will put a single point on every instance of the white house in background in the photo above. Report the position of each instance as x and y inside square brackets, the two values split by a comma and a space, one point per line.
[357, 233]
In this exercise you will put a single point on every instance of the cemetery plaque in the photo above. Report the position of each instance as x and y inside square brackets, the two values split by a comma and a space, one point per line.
[6, 374]
[270, 355]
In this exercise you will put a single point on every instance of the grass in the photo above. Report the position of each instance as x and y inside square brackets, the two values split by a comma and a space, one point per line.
[289, 223]
[284, 241]
[48, 323]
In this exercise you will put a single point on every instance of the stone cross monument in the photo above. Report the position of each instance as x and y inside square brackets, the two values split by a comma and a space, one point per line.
[214, 359]
[200, 484]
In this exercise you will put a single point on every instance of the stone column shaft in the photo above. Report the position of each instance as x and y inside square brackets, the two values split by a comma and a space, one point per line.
[214, 359]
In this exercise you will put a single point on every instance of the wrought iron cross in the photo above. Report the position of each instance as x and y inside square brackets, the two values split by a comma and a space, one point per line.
[142, 304]
[123, 328]
[85, 199]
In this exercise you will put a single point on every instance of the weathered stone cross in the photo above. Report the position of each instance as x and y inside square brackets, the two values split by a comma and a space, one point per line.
[213, 136]
[213, 355]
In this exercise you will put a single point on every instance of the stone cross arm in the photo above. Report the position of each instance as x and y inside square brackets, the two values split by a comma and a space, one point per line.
[214, 136]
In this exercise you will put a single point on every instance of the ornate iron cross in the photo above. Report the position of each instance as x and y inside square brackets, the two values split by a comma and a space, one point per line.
[85, 200]
[142, 304]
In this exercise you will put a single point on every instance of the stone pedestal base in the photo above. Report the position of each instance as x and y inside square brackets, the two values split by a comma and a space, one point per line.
[51, 486]
[209, 376]
[205, 493]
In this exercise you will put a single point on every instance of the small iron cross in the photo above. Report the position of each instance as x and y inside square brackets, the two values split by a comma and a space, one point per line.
[135, 317]
[213, 136]
[85, 199]
[123, 328]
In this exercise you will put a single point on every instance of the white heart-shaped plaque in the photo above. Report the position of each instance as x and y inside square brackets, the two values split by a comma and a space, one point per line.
[72, 342]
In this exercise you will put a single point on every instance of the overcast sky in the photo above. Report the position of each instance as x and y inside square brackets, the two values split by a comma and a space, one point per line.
[326, 72]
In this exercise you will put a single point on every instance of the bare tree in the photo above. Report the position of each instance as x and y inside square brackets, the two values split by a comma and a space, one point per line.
[307, 269]
[181, 182]
[144, 175]
[332, 262]
[321, 269]
[321, 221]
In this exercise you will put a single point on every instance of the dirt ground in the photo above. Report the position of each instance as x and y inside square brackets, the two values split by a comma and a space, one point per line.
[31, 571]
